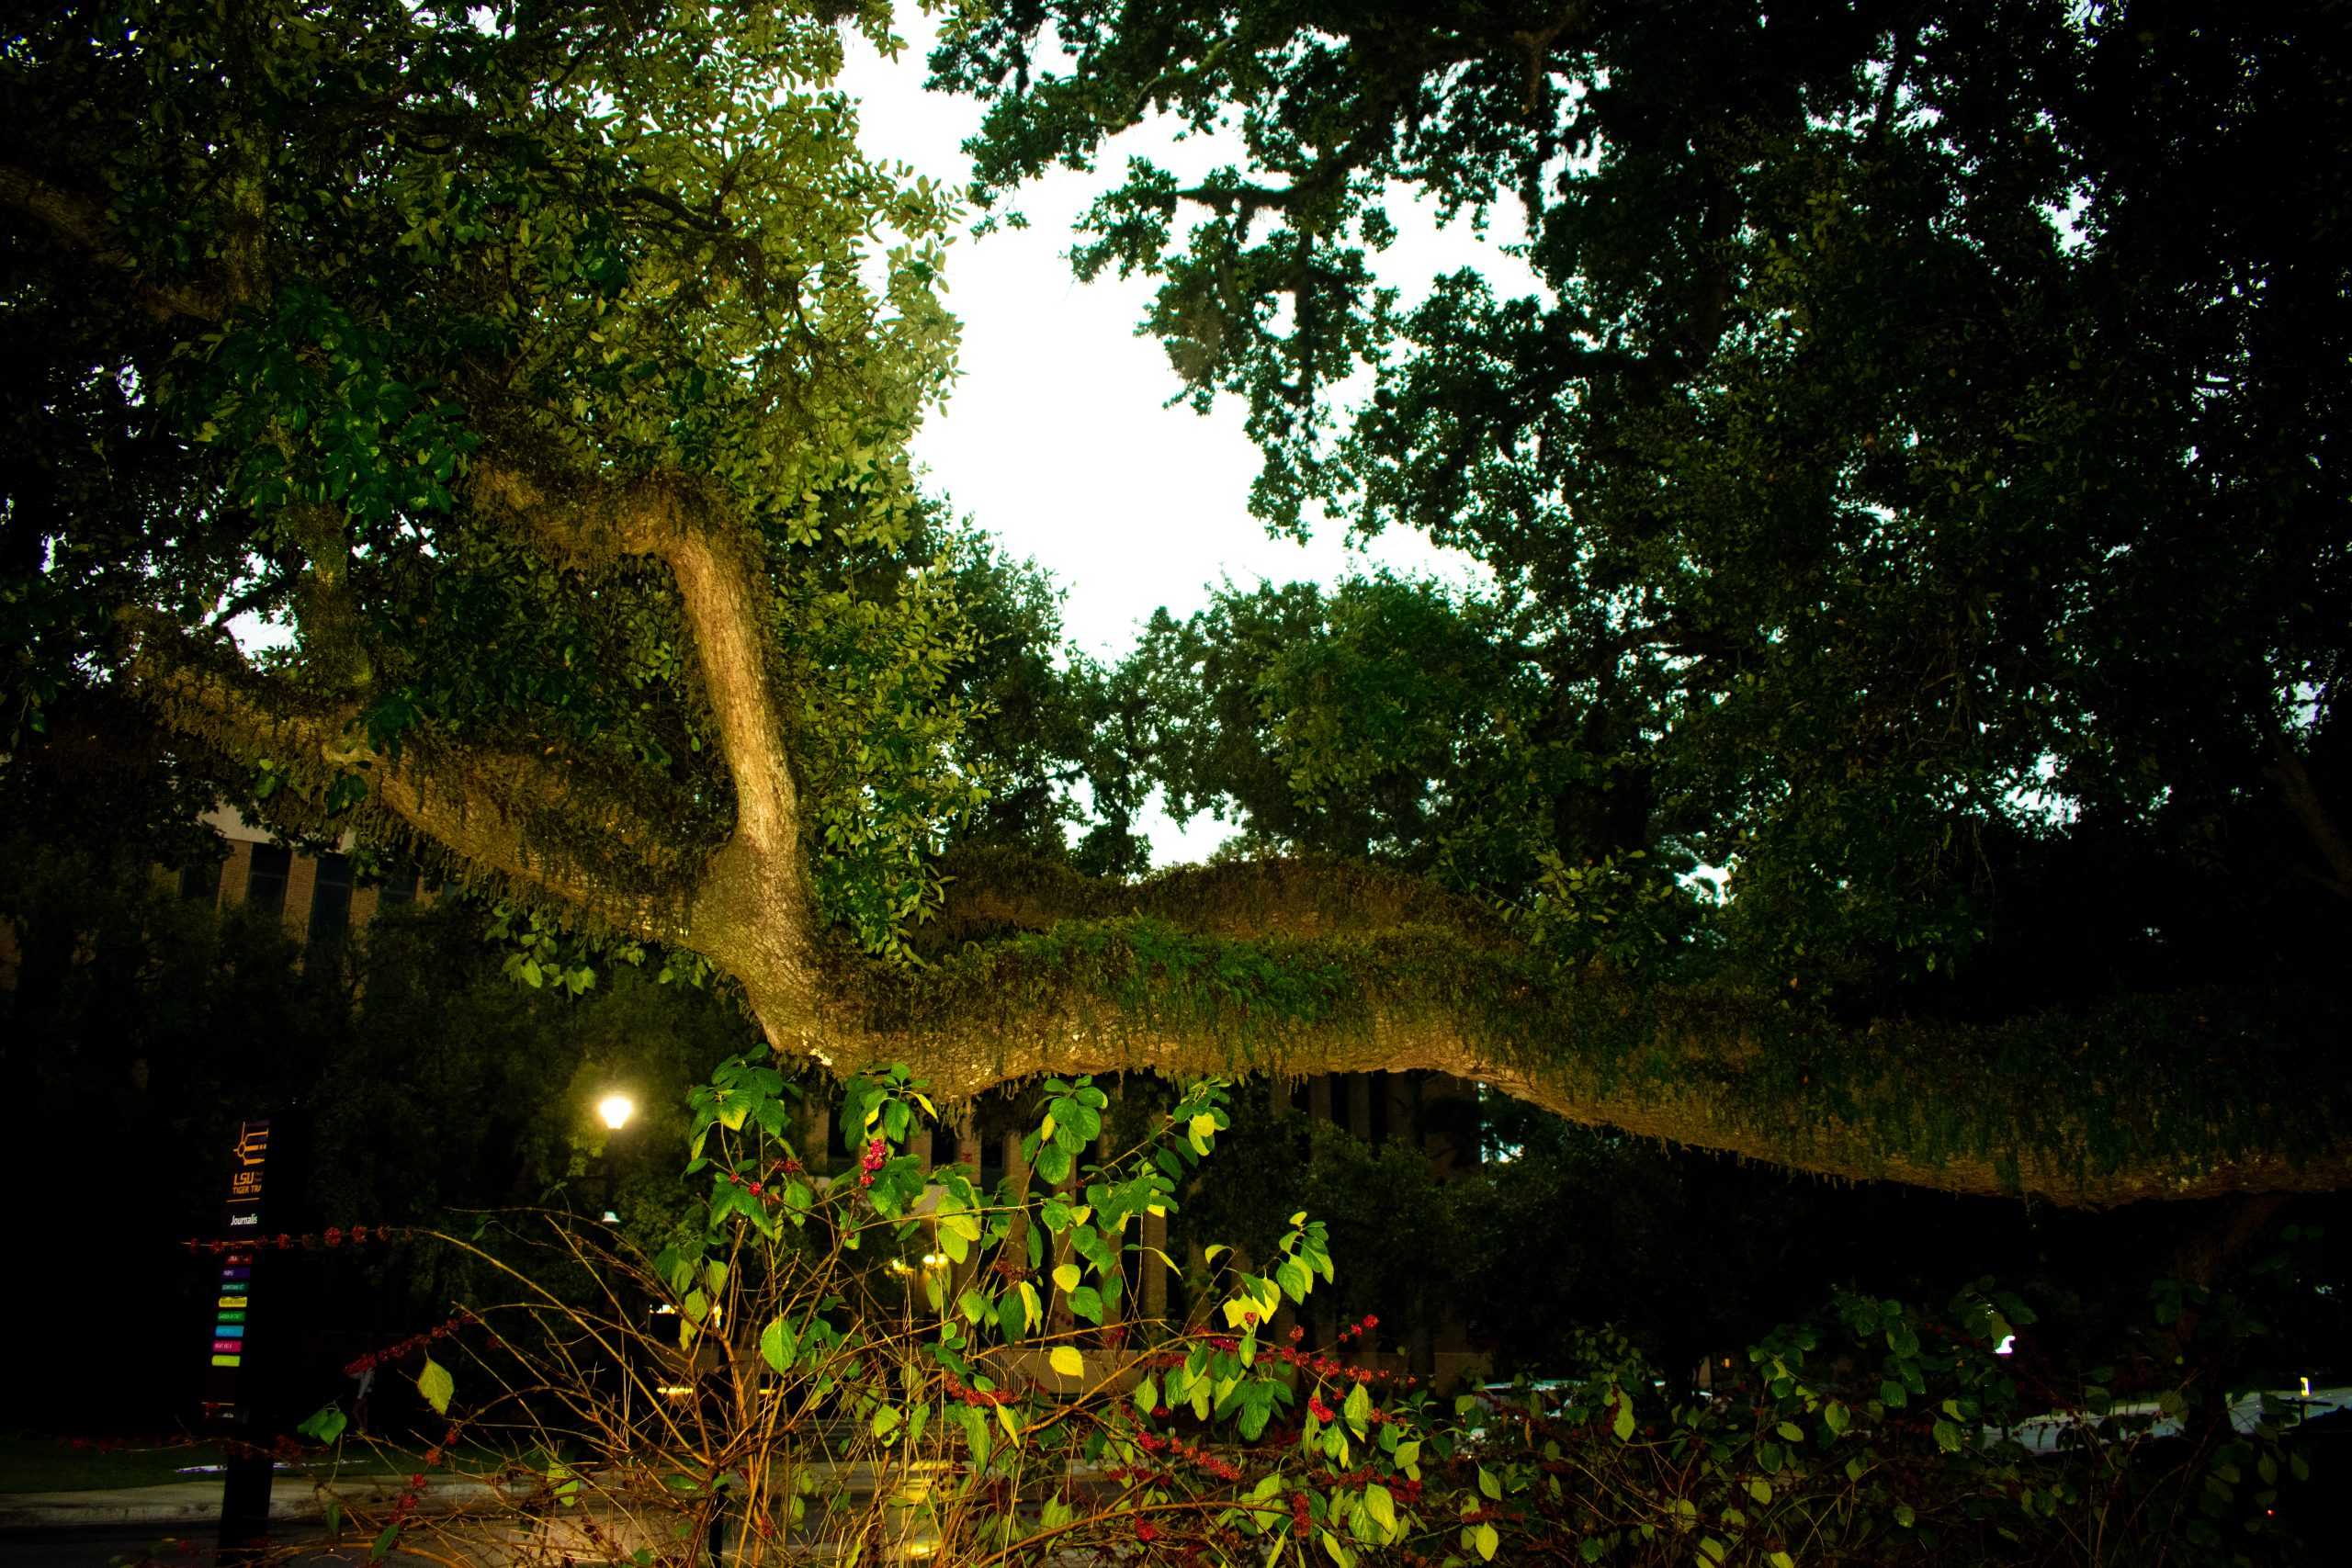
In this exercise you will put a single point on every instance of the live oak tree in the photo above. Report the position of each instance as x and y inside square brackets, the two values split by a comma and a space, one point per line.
[546, 371]
[1912, 484]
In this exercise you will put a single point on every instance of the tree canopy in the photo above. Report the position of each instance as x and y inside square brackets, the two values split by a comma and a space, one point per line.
[1914, 490]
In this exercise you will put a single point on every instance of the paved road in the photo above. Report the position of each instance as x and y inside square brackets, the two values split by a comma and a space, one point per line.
[98, 1547]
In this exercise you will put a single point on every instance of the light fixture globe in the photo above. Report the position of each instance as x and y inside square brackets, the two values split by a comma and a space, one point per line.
[615, 1110]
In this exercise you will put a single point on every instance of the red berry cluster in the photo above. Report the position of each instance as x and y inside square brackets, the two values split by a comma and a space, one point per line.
[1338, 1371]
[762, 1188]
[413, 1342]
[973, 1396]
[406, 1504]
[1222, 1469]
[334, 1236]
[870, 1162]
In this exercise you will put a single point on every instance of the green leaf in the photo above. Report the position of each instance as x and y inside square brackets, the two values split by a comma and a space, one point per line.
[1067, 1276]
[1486, 1541]
[1624, 1423]
[1009, 1318]
[325, 1423]
[437, 1386]
[1065, 1360]
[777, 1345]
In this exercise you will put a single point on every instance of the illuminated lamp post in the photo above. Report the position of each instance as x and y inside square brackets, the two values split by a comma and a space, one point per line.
[615, 1110]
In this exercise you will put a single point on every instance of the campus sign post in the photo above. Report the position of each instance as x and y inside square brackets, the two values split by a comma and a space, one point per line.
[227, 1374]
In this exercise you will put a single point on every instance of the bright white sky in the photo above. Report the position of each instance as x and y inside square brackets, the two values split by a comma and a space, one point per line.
[1056, 438]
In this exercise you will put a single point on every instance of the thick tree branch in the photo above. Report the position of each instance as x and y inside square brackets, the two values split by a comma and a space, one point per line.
[1694, 1068]
[1425, 1041]
[682, 522]
[477, 802]
[753, 914]
[2318, 823]
[80, 226]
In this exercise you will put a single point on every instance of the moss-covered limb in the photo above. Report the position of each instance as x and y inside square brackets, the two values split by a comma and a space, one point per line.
[2164, 1097]
[750, 910]
[992, 891]
[544, 831]
[78, 225]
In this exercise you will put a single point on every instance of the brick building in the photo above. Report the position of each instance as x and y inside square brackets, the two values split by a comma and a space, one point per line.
[316, 896]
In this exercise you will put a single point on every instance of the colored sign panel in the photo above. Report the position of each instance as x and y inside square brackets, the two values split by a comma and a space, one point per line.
[248, 1163]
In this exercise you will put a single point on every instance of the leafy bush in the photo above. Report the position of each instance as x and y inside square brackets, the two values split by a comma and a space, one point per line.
[892, 1363]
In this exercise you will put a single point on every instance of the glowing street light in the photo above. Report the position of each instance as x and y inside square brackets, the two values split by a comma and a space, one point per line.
[615, 1110]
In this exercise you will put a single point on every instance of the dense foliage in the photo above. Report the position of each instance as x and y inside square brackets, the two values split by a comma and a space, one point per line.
[1912, 483]
[289, 285]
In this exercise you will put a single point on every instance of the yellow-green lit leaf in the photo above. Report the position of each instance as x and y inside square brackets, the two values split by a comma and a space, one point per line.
[437, 1386]
[1065, 1360]
[1066, 1277]
[777, 1345]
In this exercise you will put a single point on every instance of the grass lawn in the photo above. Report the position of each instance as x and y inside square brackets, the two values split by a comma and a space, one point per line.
[29, 1462]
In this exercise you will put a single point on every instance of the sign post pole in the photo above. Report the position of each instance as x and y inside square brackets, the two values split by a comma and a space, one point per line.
[228, 1378]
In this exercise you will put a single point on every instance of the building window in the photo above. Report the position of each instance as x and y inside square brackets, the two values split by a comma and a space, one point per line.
[200, 882]
[266, 878]
[400, 888]
[330, 909]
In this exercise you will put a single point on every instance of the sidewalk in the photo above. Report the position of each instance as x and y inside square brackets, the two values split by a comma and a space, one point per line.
[291, 1498]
